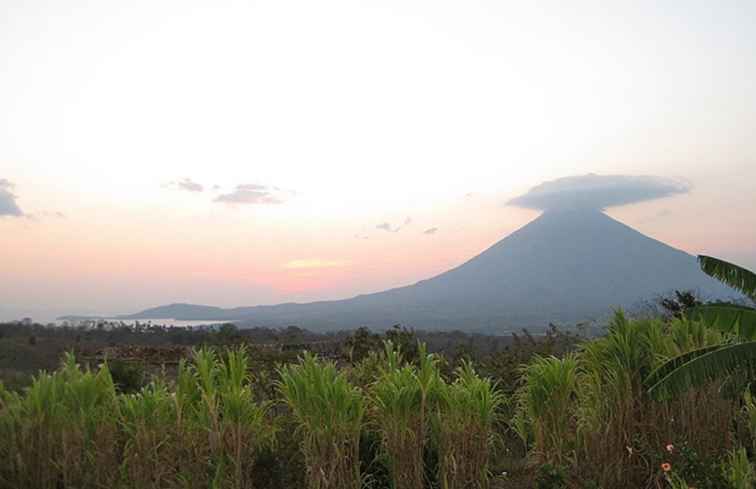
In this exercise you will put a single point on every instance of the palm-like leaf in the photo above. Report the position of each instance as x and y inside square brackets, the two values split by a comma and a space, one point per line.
[728, 318]
[675, 363]
[736, 277]
[709, 365]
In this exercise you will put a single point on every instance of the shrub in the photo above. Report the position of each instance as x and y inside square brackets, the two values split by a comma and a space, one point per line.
[551, 477]
[128, 377]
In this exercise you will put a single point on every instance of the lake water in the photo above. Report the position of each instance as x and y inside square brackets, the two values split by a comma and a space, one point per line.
[160, 322]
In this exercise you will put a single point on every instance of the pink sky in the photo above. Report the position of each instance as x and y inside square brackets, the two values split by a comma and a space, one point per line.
[310, 124]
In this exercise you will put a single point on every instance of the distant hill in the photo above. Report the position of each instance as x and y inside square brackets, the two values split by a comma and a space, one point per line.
[79, 318]
[182, 312]
[563, 267]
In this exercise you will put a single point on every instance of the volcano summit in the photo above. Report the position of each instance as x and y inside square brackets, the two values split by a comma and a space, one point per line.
[573, 263]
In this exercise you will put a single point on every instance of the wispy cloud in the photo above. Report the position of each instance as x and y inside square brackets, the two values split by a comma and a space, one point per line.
[430, 231]
[187, 184]
[598, 192]
[50, 214]
[253, 193]
[8, 205]
[388, 227]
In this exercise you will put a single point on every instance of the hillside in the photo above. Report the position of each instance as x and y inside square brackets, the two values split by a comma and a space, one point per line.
[563, 267]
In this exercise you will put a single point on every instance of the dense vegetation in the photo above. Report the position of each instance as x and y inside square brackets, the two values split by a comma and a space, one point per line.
[631, 408]
[159, 423]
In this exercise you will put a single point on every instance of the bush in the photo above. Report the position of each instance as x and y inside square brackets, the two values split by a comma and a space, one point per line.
[128, 377]
[551, 477]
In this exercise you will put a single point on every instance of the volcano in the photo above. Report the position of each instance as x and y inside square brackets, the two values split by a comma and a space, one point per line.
[564, 267]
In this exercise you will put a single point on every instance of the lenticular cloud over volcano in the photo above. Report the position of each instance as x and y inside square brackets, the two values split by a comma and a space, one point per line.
[597, 192]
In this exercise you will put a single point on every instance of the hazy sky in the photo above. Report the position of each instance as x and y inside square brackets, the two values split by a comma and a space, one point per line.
[241, 152]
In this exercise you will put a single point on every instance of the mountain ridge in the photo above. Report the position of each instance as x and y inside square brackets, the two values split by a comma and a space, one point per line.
[564, 266]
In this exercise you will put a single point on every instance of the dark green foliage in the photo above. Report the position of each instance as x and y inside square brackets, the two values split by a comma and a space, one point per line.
[372, 466]
[227, 333]
[551, 477]
[15, 381]
[361, 343]
[505, 365]
[728, 318]
[612, 428]
[699, 472]
[283, 464]
[329, 412]
[701, 367]
[405, 341]
[652, 380]
[678, 305]
[128, 377]
[711, 364]
[736, 277]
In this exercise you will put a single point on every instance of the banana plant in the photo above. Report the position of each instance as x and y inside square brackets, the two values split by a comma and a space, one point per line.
[728, 317]
[736, 357]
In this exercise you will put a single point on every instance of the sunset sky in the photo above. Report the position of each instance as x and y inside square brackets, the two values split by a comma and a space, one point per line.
[252, 152]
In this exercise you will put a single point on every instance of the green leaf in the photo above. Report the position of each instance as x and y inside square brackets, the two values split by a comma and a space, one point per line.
[715, 364]
[727, 318]
[736, 277]
[673, 364]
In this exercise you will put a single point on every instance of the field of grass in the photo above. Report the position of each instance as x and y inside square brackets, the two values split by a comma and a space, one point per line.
[362, 410]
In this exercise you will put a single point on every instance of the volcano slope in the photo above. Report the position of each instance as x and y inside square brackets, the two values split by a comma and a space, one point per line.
[566, 266]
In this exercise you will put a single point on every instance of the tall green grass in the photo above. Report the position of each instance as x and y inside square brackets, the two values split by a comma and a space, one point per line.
[71, 429]
[590, 410]
[468, 411]
[586, 413]
[546, 407]
[148, 421]
[403, 400]
[62, 431]
[329, 412]
[738, 470]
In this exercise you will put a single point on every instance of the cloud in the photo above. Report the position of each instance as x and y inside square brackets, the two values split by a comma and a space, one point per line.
[51, 214]
[252, 193]
[597, 192]
[387, 226]
[431, 231]
[189, 185]
[186, 184]
[8, 206]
